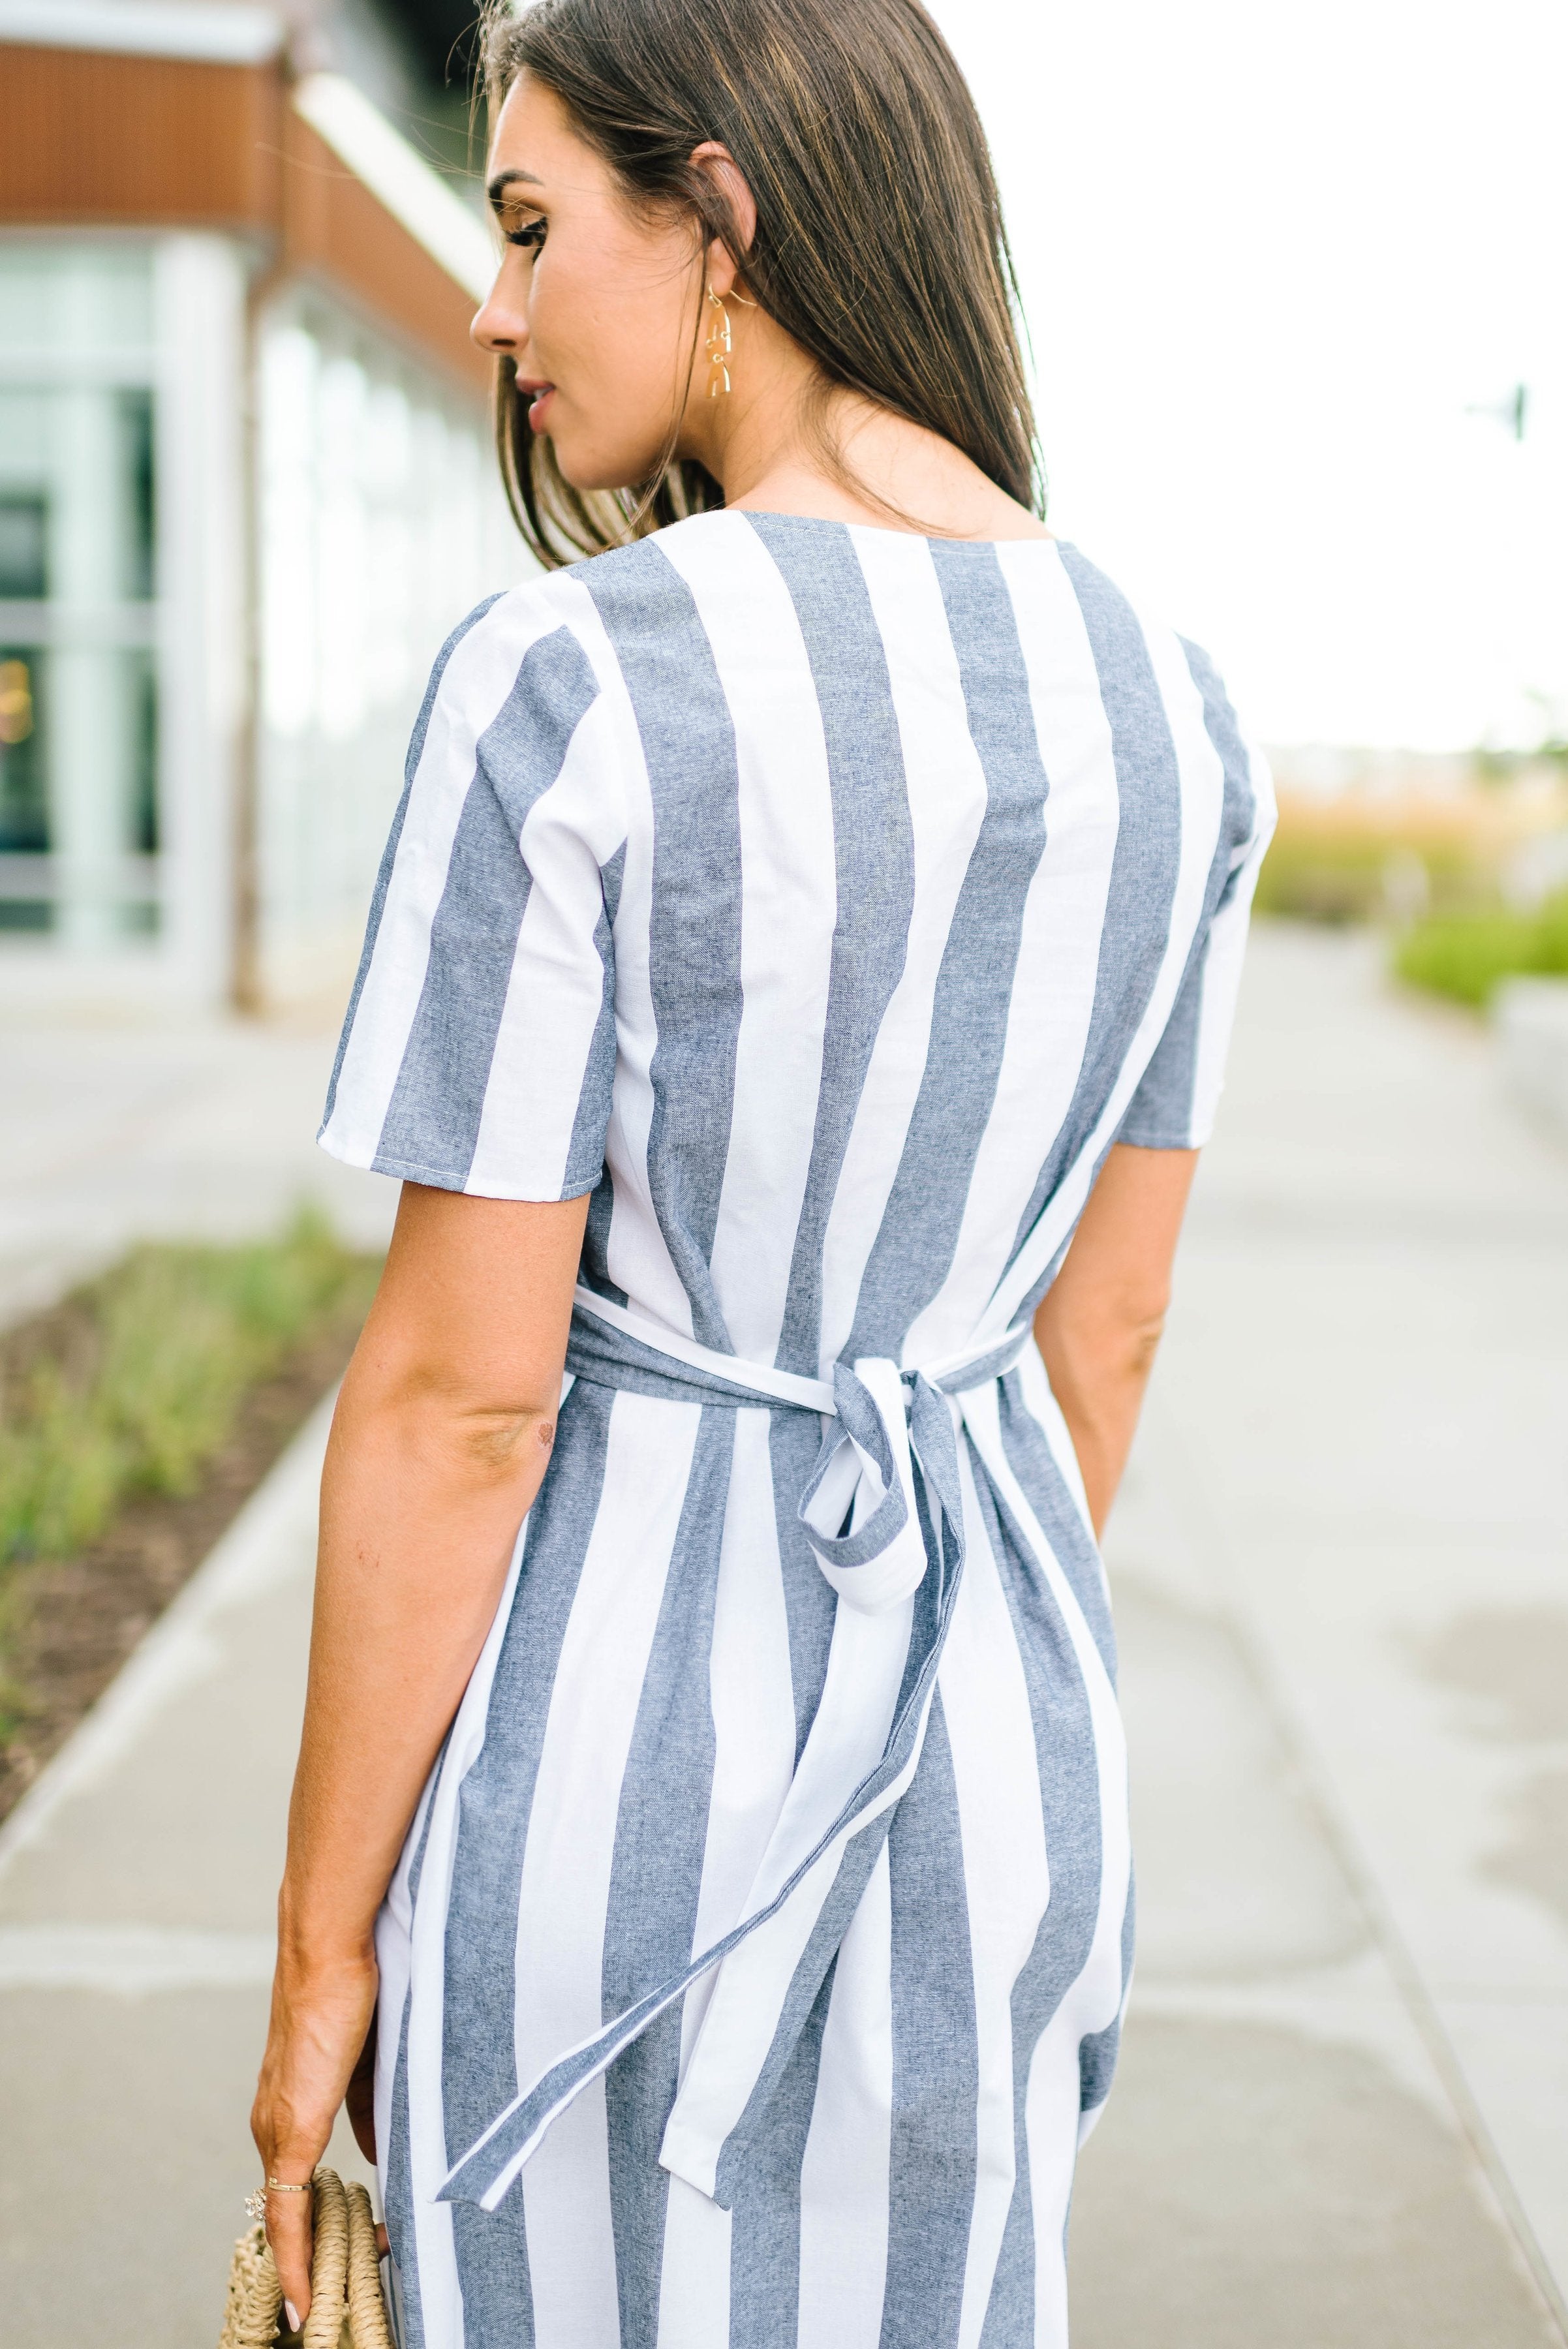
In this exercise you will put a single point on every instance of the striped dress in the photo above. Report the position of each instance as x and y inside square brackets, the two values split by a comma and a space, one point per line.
[824, 902]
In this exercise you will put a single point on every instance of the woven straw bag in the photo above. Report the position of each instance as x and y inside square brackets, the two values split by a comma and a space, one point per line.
[346, 2311]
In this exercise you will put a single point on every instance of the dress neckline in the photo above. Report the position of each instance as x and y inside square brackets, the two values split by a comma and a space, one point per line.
[877, 530]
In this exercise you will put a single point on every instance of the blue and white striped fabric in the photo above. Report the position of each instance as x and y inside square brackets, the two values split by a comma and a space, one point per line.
[825, 902]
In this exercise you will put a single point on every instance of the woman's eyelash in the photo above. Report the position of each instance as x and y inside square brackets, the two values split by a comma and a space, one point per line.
[531, 232]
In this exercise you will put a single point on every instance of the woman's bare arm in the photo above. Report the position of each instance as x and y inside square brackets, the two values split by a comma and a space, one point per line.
[439, 1445]
[1100, 1324]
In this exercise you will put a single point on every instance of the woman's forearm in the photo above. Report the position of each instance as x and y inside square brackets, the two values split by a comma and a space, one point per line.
[1099, 1378]
[421, 1502]
[1099, 1327]
[440, 1440]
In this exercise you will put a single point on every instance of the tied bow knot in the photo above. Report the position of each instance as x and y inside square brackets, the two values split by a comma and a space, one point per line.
[860, 1509]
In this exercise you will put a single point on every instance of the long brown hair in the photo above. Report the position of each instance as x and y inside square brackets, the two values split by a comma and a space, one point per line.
[879, 242]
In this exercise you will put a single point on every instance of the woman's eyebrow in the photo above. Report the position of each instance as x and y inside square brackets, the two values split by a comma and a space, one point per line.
[504, 180]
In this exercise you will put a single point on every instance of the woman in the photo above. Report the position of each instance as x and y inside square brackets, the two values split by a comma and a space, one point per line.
[802, 923]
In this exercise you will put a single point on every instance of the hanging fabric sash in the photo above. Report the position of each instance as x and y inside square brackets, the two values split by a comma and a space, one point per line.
[883, 1511]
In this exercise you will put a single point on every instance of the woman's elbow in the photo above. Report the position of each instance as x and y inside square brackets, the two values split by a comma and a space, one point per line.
[478, 1431]
[1140, 1341]
[1115, 1335]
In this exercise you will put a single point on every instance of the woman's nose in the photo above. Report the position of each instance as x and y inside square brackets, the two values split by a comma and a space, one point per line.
[497, 330]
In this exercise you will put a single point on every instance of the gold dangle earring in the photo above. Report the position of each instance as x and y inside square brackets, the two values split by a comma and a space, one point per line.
[719, 347]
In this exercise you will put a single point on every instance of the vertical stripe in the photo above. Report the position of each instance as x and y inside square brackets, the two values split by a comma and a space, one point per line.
[731, 2277]
[920, 1224]
[564, 1894]
[765, 2268]
[695, 942]
[594, 1268]
[991, 1731]
[1144, 869]
[1052, 991]
[495, 1801]
[694, 2279]
[1070, 1797]
[748, 1699]
[936, 2061]
[480, 674]
[785, 820]
[945, 790]
[633, 1248]
[594, 1271]
[548, 1094]
[843, 2178]
[592, 1109]
[794, 1442]
[390, 853]
[432, 2243]
[432, 1121]
[603, 1051]
[874, 871]
[1098, 2050]
[1033, 1460]
[1220, 719]
[1162, 1115]
[398, 2204]
[654, 1876]
[1072, 1985]
[393, 1928]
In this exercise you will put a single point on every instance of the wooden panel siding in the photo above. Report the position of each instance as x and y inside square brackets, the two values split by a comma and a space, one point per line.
[91, 139]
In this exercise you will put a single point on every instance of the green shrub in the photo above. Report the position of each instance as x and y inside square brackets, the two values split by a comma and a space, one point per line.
[1310, 874]
[1465, 956]
[164, 1346]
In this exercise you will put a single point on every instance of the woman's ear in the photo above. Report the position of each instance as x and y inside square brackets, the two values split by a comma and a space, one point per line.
[725, 175]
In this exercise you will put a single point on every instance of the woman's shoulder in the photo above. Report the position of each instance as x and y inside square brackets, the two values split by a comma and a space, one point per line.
[1135, 646]
[535, 640]
[509, 695]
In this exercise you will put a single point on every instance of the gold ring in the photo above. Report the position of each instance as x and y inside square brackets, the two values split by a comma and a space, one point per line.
[255, 2202]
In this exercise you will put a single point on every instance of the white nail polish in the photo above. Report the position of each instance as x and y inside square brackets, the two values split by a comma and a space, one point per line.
[292, 2313]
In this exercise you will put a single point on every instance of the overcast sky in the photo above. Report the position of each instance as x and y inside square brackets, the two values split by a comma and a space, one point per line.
[1270, 255]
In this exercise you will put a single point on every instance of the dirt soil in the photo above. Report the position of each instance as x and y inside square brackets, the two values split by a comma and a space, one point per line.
[70, 1623]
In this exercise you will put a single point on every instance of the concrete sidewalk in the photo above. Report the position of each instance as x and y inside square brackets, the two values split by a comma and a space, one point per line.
[203, 1130]
[1341, 1588]
[1342, 1576]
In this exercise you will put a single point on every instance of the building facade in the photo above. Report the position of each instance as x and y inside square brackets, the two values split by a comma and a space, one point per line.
[246, 488]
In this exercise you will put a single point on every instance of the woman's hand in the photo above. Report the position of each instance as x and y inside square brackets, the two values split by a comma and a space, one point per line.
[321, 2022]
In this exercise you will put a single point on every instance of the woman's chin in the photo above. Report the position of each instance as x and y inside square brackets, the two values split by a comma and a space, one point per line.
[588, 470]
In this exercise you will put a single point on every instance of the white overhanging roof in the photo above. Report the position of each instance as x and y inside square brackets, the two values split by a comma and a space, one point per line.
[214, 32]
[434, 215]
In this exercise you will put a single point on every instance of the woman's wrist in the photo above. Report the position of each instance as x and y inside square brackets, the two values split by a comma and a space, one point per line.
[316, 1952]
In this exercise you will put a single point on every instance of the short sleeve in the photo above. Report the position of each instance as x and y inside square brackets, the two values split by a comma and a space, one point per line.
[1179, 1093]
[478, 1053]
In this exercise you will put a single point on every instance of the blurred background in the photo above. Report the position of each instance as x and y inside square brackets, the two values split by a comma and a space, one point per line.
[1294, 289]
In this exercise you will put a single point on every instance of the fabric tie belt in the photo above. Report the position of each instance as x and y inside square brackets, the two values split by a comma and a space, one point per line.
[883, 1511]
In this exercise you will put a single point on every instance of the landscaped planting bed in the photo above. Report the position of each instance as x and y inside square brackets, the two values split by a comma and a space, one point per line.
[136, 1417]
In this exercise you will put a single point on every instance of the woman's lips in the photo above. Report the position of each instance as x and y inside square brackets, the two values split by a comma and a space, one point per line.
[538, 396]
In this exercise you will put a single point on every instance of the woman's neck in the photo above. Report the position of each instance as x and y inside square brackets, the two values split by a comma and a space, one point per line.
[771, 445]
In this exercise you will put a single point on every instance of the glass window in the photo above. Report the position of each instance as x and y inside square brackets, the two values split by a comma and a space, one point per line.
[24, 800]
[24, 547]
[80, 827]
